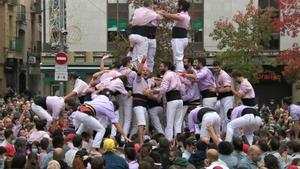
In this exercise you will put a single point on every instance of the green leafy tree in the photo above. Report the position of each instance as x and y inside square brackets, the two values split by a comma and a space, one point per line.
[121, 46]
[244, 39]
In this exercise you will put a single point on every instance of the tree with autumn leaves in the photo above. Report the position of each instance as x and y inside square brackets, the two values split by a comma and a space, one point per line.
[244, 40]
[289, 25]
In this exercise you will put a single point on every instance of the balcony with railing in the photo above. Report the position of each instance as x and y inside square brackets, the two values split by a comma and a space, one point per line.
[36, 7]
[19, 45]
[12, 2]
[21, 15]
[16, 45]
[80, 57]
[21, 18]
[12, 45]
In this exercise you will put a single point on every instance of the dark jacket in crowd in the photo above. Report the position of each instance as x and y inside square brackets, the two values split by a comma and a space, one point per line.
[113, 161]
[64, 165]
[164, 158]
[180, 163]
[197, 159]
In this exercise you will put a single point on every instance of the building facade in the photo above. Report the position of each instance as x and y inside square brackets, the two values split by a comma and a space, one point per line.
[19, 44]
[9, 57]
[92, 33]
[85, 41]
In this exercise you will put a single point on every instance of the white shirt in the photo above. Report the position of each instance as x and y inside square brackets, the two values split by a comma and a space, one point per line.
[70, 155]
[80, 87]
[87, 145]
[217, 163]
[133, 165]
[186, 155]
[55, 106]
[295, 112]
[4, 143]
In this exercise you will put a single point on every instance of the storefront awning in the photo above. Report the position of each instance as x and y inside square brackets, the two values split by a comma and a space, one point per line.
[113, 24]
[82, 70]
[197, 25]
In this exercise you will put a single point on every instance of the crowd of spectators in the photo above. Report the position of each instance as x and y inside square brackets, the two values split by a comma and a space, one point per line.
[25, 143]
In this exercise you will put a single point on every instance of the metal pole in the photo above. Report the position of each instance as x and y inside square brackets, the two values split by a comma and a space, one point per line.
[118, 17]
[61, 24]
[61, 37]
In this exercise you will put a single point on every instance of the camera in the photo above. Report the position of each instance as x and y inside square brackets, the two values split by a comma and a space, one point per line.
[64, 32]
[53, 46]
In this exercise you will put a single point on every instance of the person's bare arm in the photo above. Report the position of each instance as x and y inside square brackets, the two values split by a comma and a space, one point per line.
[102, 62]
[120, 129]
[141, 65]
[296, 128]
[70, 95]
[235, 92]
[22, 117]
[189, 76]
[170, 15]
[213, 134]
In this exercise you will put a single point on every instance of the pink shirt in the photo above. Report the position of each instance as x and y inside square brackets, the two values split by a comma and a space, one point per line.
[130, 74]
[184, 85]
[140, 84]
[205, 78]
[223, 80]
[170, 81]
[156, 21]
[237, 111]
[115, 85]
[158, 96]
[142, 16]
[42, 155]
[103, 107]
[90, 89]
[55, 106]
[38, 136]
[184, 21]
[192, 93]
[80, 87]
[193, 118]
[111, 73]
[246, 90]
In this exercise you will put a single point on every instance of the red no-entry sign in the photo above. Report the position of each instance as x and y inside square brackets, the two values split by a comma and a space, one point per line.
[61, 58]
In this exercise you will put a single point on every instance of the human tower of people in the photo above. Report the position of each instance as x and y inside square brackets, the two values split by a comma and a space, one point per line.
[185, 94]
